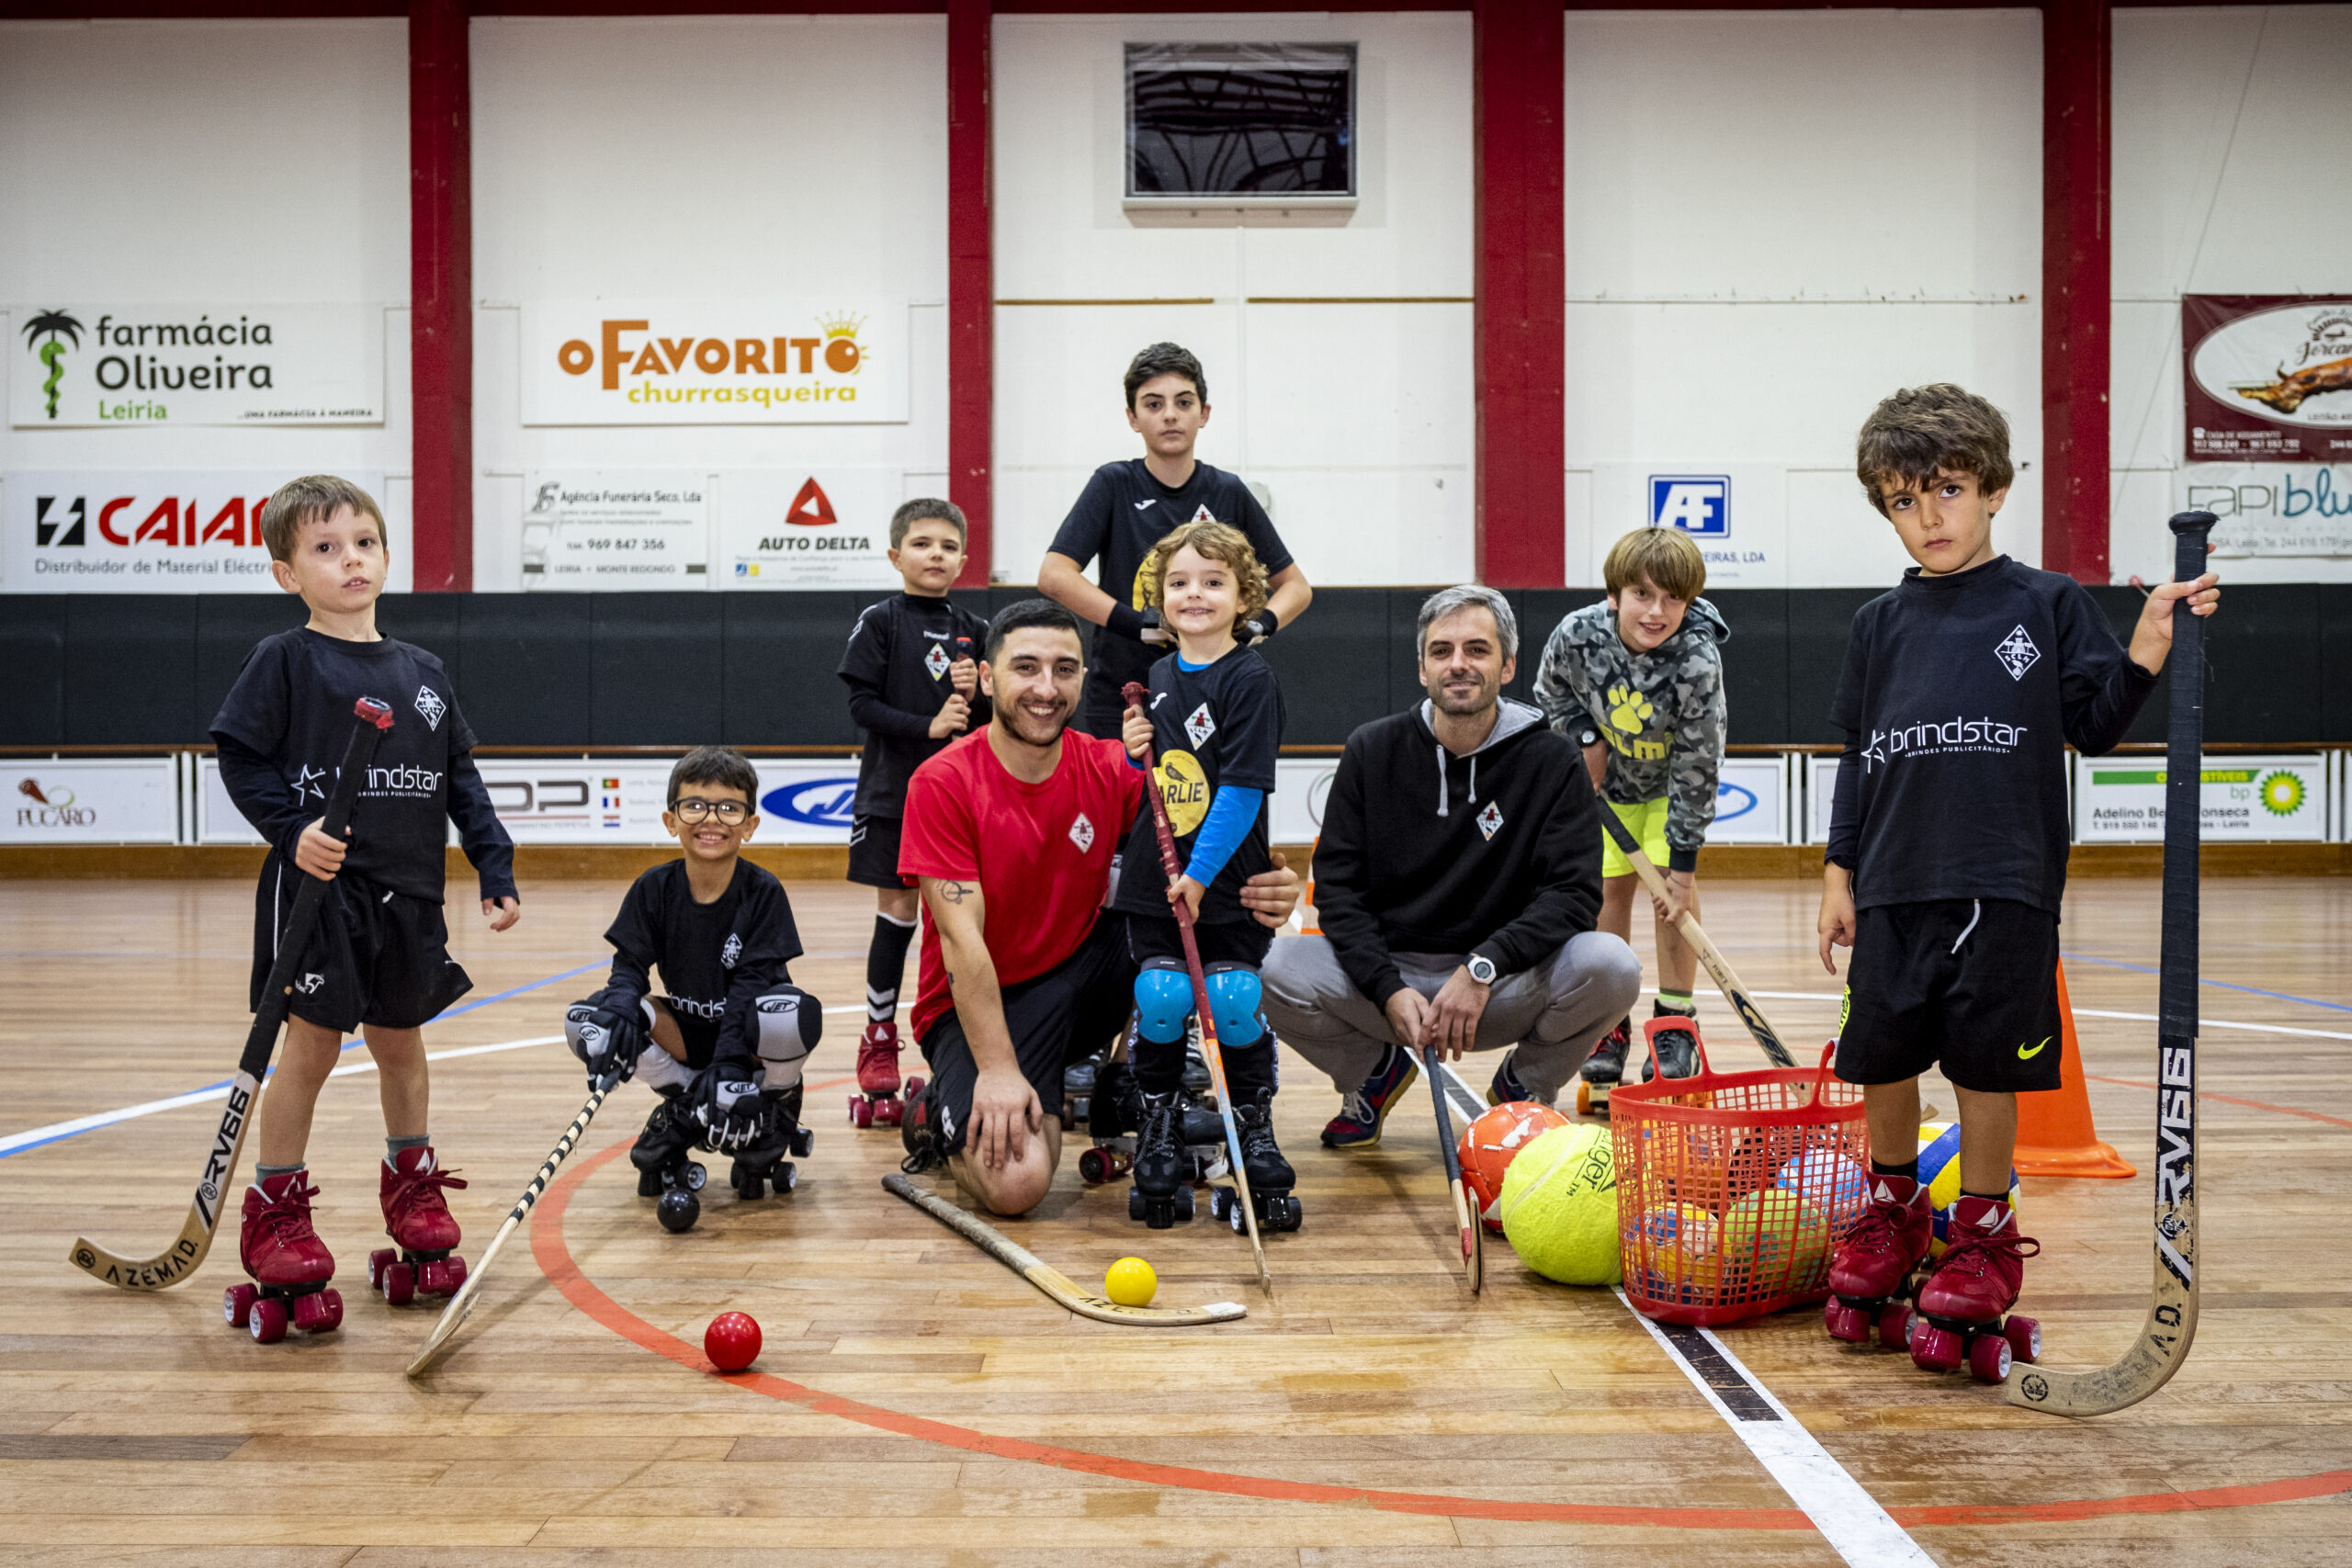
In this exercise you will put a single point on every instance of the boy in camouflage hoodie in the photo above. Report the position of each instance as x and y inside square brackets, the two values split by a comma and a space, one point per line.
[1637, 682]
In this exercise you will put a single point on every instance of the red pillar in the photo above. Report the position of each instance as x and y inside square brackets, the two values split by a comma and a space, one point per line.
[441, 271]
[1519, 65]
[2078, 67]
[971, 282]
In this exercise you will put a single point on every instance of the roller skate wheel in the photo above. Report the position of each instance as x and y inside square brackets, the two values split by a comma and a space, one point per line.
[400, 1283]
[1094, 1167]
[456, 1274]
[237, 1304]
[1220, 1201]
[1989, 1358]
[314, 1314]
[268, 1321]
[804, 1140]
[1584, 1099]
[433, 1278]
[1184, 1204]
[889, 1113]
[1292, 1215]
[1849, 1324]
[1934, 1350]
[1236, 1219]
[785, 1179]
[860, 1112]
[1895, 1325]
[696, 1176]
[331, 1310]
[376, 1263]
[1134, 1203]
[2024, 1335]
[912, 1090]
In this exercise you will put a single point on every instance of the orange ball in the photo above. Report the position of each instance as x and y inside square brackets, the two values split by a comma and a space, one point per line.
[1488, 1146]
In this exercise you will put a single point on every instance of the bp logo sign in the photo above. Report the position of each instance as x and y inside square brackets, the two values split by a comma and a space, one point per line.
[2281, 794]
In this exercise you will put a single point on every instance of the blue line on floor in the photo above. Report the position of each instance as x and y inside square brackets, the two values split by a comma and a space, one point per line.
[2220, 985]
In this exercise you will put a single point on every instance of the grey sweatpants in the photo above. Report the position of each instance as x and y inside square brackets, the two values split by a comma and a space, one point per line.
[1553, 1012]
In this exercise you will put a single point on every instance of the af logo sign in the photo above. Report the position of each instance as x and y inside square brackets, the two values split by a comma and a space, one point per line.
[1699, 504]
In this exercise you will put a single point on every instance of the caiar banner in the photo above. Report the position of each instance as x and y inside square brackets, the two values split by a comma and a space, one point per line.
[123, 367]
[144, 531]
[816, 361]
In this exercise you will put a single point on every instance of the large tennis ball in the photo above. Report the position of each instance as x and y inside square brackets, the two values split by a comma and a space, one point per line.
[1939, 1173]
[1559, 1206]
[1778, 1240]
[1492, 1142]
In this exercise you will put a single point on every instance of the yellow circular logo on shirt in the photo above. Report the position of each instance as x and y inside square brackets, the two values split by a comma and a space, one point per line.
[1183, 785]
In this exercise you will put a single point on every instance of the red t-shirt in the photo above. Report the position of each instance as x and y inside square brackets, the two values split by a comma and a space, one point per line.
[1041, 852]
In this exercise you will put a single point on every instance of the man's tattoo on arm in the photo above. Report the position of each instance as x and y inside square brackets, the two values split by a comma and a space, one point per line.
[955, 892]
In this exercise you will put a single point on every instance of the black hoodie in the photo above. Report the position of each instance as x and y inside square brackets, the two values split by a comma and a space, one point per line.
[1497, 852]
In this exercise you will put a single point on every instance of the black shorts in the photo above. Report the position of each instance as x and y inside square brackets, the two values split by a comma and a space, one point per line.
[1221, 941]
[375, 956]
[1054, 1018]
[873, 851]
[1968, 983]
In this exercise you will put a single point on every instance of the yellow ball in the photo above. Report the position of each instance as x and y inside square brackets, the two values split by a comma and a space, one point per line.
[1939, 1174]
[1130, 1282]
[1775, 1241]
[1559, 1206]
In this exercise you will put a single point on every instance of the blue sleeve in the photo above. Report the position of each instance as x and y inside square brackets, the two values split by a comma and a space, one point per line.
[1231, 816]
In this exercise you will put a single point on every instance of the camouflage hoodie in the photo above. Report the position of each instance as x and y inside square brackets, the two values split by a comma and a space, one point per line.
[1661, 713]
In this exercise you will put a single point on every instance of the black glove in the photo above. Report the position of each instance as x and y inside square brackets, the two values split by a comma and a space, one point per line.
[729, 1108]
[1257, 628]
[1137, 626]
[606, 1031]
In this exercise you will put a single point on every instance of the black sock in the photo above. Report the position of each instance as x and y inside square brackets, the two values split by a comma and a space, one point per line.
[1908, 1169]
[1250, 1069]
[1158, 1068]
[1987, 1197]
[885, 966]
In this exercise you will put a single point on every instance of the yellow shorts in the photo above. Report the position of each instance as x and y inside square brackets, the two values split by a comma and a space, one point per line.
[1646, 822]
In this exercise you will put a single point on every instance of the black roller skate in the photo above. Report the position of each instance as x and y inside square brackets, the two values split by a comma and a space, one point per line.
[1603, 1069]
[764, 1164]
[1162, 1193]
[1676, 1048]
[1114, 1115]
[918, 1132]
[1270, 1177]
[664, 1171]
[1199, 1082]
[1079, 1082]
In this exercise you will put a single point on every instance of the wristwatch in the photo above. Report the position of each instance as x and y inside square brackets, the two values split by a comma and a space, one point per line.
[1481, 967]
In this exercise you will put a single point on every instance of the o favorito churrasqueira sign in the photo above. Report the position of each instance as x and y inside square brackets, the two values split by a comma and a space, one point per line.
[832, 361]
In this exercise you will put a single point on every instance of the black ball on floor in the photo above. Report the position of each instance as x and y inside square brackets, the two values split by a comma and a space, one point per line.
[678, 1210]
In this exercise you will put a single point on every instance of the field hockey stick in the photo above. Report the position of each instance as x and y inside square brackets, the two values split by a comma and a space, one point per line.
[2164, 1342]
[461, 1306]
[1473, 1249]
[370, 720]
[1135, 694]
[1726, 979]
[1047, 1278]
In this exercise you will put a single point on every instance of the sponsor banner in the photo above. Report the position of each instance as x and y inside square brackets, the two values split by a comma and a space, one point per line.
[1820, 788]
[806, 800]
[1300, 785]
[813, 361]
[2272, 509]
[1736, 512]
[130, 366]
[218, 820]
[605, 531]
[794, 528]
[112, 800]
[2122, 799]
[1751, 802]
[2267, 377]
[140, 531]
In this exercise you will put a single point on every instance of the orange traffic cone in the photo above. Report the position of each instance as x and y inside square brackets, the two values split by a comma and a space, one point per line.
[2055, 1136]
[1310, 920]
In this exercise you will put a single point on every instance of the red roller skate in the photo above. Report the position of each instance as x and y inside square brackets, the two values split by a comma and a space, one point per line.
[876, 1100]
[290, 1265]
[1870, 1274]
[423, 1230]
[1962, 1302]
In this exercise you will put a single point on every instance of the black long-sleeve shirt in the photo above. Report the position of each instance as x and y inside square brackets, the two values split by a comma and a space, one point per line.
[1959, 697]
[896, 667]
[717, 959]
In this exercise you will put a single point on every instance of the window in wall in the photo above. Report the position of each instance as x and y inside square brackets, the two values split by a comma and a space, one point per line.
[1241, 123]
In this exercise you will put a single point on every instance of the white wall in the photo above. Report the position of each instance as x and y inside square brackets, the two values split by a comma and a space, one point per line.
[1358, 418]
[2233, 175]
[163, 163]
[734, 157]
[1775, 220]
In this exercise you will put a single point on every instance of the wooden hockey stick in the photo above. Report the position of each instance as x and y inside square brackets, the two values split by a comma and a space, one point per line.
[2164, 1342]
[1046, 1277]
[461, 1306]
[371, 720]
[1474, 1241]
[1726, 979]
[1135, 694]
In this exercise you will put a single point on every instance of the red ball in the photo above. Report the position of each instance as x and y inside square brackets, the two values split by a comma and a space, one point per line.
[1489, 1144]
[732, 1341]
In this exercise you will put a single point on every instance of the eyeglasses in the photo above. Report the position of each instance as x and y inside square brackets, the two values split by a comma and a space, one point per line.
[730, 812]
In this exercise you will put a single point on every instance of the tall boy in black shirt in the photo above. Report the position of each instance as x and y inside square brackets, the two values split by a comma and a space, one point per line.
[913, 686]
[1129, 507]
[724, 1044]
[1947, 842]
[378, 958]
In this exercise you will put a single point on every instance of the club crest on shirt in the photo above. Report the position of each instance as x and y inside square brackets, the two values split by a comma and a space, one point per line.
[2016, 653]
[1200, 726]
[731, 952]
[1081, 833]
[430, 707]
[1204, 515]
[1490, 820]
[936, 661]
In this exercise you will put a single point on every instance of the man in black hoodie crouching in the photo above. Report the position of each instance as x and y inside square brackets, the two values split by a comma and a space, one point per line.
[1458, 881]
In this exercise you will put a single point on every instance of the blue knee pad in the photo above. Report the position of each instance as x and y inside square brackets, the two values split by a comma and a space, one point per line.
[1233, 1003]
[1163, 1002]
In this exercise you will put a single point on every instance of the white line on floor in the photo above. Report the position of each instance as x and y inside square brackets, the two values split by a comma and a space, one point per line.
[2203, 1023]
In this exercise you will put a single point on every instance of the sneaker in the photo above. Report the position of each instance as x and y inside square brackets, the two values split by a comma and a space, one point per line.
[1606, 1063]
[1506, 1087]
[1357, 1126]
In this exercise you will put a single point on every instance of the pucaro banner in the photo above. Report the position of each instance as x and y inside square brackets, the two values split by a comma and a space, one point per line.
[130, 366]
[2267, 377]
[830, 361]
[134, 531]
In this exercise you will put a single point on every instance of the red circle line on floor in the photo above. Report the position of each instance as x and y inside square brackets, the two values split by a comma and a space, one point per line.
[555, 1260]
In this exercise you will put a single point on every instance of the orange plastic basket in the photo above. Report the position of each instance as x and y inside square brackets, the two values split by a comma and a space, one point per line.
[1732, 1187]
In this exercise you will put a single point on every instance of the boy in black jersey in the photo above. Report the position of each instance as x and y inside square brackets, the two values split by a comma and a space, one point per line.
[1947, 842]
[913, 686]
[1127, 507]
[1215, 723]
[378, 958]
[723, 1046]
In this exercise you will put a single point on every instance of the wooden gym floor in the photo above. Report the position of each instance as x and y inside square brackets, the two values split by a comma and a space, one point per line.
[919, 1404]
